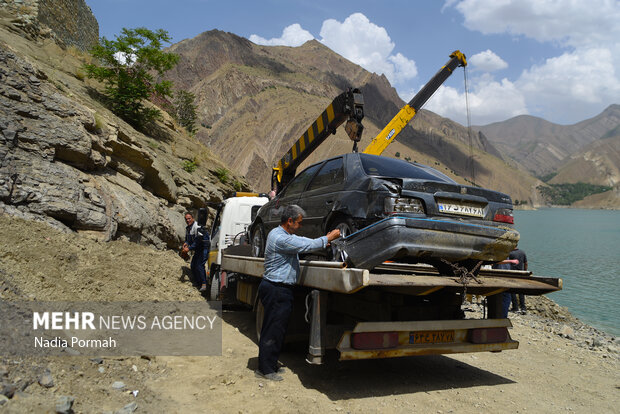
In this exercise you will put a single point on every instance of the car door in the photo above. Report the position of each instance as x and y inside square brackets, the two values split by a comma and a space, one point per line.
[320, 195]
[289, 195]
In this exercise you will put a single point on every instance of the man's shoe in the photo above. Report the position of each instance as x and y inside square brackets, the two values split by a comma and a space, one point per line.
[523, 311]
[203, 288]
[271, 376]
[282, 370]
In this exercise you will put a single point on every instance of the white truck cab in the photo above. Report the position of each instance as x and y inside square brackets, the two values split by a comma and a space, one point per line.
[232, 217]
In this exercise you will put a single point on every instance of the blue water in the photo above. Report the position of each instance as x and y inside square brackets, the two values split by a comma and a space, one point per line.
[583, 248]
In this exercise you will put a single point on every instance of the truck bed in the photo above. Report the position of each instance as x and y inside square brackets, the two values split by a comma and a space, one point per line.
[411, 279]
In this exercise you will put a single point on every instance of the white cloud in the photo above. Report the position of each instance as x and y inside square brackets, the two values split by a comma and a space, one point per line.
[356, 39]
[127, 59]
[583, 77]
[486, 61]
[363, 42]
[404, 68]
[570, 22]
[489, 101]
[293, 35]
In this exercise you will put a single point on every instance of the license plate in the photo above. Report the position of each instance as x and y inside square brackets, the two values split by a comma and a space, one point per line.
[460, 209]
[431, 337]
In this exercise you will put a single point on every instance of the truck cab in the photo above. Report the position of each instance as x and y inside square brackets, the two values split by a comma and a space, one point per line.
[232, 217]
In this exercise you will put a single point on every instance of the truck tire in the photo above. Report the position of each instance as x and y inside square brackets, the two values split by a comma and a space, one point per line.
[214, 290]
[258, 241]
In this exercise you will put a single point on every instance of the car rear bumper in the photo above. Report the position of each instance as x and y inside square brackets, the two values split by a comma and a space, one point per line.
[424, 239]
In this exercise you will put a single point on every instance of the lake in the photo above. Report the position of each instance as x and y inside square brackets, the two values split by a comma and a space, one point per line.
[583, 248]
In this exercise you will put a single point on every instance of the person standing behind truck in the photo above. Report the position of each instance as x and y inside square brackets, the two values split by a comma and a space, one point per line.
[276, 289]
[519, 255]
[505, 265]
[198, 241]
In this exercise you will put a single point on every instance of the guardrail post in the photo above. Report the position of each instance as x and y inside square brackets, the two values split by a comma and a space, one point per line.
[316, 346]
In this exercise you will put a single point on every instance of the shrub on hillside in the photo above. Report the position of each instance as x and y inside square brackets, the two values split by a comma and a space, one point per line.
[185, 110]
[126, 66]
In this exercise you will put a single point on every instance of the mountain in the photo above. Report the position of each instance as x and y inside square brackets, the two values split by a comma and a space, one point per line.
[541, 146]
[255, 101]
[597, 164]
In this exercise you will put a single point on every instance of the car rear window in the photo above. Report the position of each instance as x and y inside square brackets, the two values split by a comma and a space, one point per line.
[332, 173]
[389, 167]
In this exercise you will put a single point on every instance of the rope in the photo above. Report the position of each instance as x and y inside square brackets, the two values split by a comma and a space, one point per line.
[469, 131]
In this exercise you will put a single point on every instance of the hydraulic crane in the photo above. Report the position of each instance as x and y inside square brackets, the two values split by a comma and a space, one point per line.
[406, 114]
[349, 107]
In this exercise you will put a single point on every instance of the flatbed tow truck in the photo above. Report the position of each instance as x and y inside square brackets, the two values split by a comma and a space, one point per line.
[395, 309]
[392, 310]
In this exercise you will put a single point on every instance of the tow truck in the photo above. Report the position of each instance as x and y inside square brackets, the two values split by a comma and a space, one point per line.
[394, 309]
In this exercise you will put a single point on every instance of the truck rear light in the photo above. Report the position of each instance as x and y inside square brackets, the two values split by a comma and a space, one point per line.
[488, 335]
[374, 340]
[403, 205]
[504, 215]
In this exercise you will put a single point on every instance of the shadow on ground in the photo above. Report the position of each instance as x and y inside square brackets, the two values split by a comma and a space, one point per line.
[342, 380]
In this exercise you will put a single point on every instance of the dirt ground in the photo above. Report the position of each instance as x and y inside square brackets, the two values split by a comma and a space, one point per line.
[560, 366]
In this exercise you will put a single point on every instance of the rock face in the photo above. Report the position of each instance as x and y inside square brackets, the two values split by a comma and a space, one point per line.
[67, 161]
[71, 22]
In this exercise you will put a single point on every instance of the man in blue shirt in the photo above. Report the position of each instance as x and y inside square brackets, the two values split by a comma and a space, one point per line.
[276, 289]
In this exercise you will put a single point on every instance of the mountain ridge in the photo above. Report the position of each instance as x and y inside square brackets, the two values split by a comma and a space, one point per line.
[251, 115]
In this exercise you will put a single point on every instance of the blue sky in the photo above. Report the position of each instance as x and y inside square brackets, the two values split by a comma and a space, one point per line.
[555, 59]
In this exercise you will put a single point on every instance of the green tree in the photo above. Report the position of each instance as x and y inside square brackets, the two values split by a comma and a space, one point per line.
[127, 65]
[186, 110]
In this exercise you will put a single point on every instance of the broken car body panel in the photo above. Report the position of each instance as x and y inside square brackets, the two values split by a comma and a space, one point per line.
[425, 239]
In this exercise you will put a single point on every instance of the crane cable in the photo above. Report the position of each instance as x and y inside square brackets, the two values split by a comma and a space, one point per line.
[469, 131]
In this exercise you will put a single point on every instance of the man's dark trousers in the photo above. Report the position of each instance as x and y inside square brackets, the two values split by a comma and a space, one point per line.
[198, 266]
[277, 300]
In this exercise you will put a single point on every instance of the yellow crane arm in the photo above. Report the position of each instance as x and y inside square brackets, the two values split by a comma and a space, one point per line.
[348, 106]
[406, 114]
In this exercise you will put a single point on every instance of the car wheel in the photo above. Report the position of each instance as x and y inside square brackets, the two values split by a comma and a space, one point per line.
[214, 291]
[345, 225]
[258, 241]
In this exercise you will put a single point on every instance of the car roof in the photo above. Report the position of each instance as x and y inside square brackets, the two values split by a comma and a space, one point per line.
[395, 167]
[413, 169]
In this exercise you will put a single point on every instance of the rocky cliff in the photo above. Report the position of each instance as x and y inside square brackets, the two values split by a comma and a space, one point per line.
[69, 22]
[66, 160]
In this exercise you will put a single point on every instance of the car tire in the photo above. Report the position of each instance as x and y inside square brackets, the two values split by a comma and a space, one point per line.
[258, 241]
[345, 225]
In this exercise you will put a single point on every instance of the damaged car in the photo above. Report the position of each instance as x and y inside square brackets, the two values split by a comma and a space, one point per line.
[390, 209]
